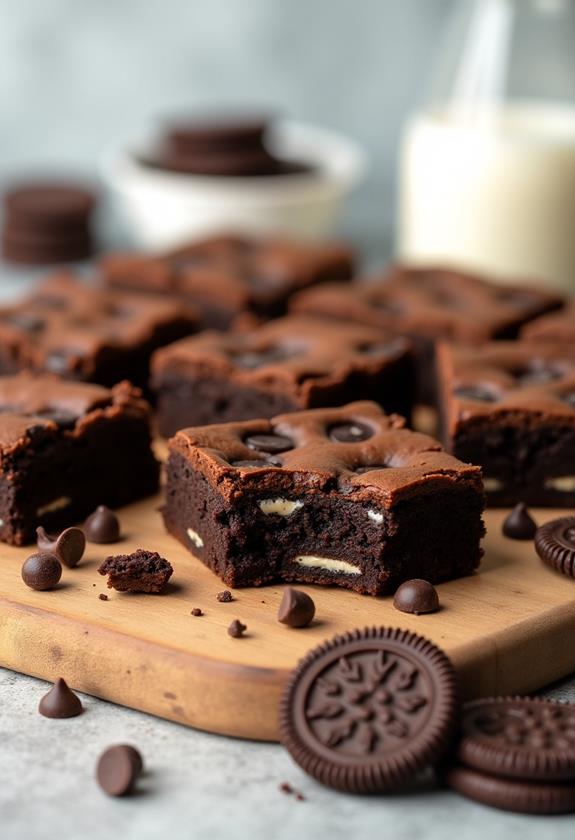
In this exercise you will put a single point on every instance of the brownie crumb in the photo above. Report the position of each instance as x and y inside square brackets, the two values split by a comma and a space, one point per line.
[142, 571]
[236, 629]
[286, 788]
[103, 597]
[197, 611]
[225, 597]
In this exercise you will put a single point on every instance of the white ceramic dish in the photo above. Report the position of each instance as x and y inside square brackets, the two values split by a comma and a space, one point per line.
[162, 209]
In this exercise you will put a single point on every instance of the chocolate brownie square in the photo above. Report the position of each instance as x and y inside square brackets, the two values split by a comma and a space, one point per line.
[285, 365]
[510, 407]
[344, 496]
[66, 327]
[556, 326]
[229, 274]
[66, 447]
[427, 304]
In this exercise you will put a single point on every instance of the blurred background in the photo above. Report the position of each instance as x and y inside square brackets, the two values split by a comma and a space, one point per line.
[79, 74]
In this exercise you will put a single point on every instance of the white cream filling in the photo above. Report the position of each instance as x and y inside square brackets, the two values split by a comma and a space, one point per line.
[329, 564]
[195, 538]
[563, 483]
[375, 516]
[491, 485]
[283, 507]
[58, 504]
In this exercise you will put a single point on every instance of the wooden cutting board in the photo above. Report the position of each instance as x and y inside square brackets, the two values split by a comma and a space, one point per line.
[508, 629]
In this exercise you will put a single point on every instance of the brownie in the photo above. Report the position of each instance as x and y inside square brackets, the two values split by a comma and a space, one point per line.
[229, 274]
[66, 327]
[427, 304]
[345, 496]
[66, 447]
[141, 571]
[510, 407]
[556, 326]
[287, 364]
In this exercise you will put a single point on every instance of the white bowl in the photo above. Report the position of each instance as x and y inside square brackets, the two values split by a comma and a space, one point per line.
[162, 209]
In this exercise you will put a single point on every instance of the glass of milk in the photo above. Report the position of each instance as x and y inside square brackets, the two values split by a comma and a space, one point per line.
[487, 177]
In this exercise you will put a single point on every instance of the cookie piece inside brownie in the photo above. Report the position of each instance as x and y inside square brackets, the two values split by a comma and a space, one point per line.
[227, 274]
[510, 407]
[141, 571]
[78, 332]
[344, 496]
[427, 304]
[66, 447]
[286, 365]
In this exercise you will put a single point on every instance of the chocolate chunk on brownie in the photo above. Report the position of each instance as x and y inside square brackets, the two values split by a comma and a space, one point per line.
[141, 571]
[94, 335]
[555, 326]
[66, 447]
[510, 407]
[427, 304]
[345, 496]
[229, 274]
[285, 365]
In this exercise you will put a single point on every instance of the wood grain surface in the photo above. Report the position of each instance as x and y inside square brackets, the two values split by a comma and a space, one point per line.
[507, 629]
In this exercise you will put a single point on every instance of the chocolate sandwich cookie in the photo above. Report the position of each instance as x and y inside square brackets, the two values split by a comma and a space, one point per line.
[555, 544]
[368, 710]
[525, 738]
[512, 795]
[47, 223]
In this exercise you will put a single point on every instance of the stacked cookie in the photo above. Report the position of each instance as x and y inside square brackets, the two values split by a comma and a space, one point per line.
[222, 147]
[518, 754]
[47, 223]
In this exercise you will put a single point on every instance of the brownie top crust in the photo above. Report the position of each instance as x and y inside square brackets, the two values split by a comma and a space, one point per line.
[433, 302]
[30, 404]
[556, 326]
[245, 271]
[64, 325]
[356, 450]
[505, 376]
[292, 350]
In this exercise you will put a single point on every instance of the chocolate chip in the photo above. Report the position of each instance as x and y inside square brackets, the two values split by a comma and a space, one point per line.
[60, 702]
[69, 546]
[297, 609]
[118, 769]
[475, 392]
[225, 597]
[274, 444]
[519, 525]
[197, 612]
[42, 571]
[102, 526]
[416, 596]
[236, 629]
[350, 432]
[103, 597]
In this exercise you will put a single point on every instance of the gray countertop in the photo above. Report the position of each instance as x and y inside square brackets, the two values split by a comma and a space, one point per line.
[206, 786]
